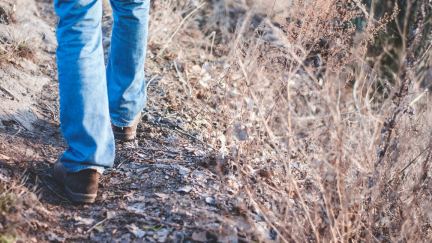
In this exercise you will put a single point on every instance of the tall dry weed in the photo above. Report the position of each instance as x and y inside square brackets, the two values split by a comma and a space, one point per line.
[311, 145]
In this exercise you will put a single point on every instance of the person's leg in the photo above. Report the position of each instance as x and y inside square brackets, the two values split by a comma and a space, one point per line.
[84, 109]
[125, 70]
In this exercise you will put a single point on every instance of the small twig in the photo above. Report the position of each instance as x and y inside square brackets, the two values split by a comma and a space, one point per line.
[213, 35]
[17, 132]
[121, 163]
[408, 165]
[362, 8]
[151, 80]
[390, 123]
[419, 97]
[8, 93]
[159, 220]
[4, 157]
[181, 78]
[97, 224]
[164, 122]
[181, 131]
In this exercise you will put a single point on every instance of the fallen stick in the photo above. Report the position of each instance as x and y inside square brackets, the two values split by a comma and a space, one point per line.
[4, 157]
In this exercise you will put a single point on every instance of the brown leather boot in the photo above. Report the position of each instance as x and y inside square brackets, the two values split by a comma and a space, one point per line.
[80, 187]
[126, 134]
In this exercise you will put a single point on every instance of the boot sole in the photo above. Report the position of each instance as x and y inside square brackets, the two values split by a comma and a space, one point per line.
[79, 197]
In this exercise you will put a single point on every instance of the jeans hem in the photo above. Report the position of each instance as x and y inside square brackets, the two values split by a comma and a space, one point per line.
[121, 124]
[77, 168]
[124, 123]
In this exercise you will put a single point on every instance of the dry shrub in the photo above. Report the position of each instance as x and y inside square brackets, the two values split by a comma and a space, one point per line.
[14, 50]
[22, 215]
[289, 99]
[14, 200]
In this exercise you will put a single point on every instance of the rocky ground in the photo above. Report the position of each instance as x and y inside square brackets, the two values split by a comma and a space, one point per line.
[166, 186]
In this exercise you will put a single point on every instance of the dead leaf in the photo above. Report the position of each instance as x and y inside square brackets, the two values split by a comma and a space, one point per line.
[199, 236]
[136, 231]
[84, 221]
[265, 173]
[99, 228]
[162, 235]
[110, 214]
[53, 237]
[138, 208]
[182, 170]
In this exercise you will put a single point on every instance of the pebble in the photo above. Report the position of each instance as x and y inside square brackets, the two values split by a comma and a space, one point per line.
[185, 189]
[210, 201]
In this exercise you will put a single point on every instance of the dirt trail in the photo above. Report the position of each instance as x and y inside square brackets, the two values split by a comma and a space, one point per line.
[164, 187]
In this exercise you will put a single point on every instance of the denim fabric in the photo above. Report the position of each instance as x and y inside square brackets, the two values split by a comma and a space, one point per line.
[93, 96]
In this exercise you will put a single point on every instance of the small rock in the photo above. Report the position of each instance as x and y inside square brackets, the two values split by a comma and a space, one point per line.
[162, 195]
[185, 189]
[241, 132]
[210, 201]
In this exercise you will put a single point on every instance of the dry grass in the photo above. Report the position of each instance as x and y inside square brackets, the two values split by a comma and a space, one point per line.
[18, 207]
[13, 50]
[322, 145]
[13, 45]
[7, 201]
[314, 143]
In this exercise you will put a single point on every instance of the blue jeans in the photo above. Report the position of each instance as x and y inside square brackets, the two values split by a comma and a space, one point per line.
[94, 96]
